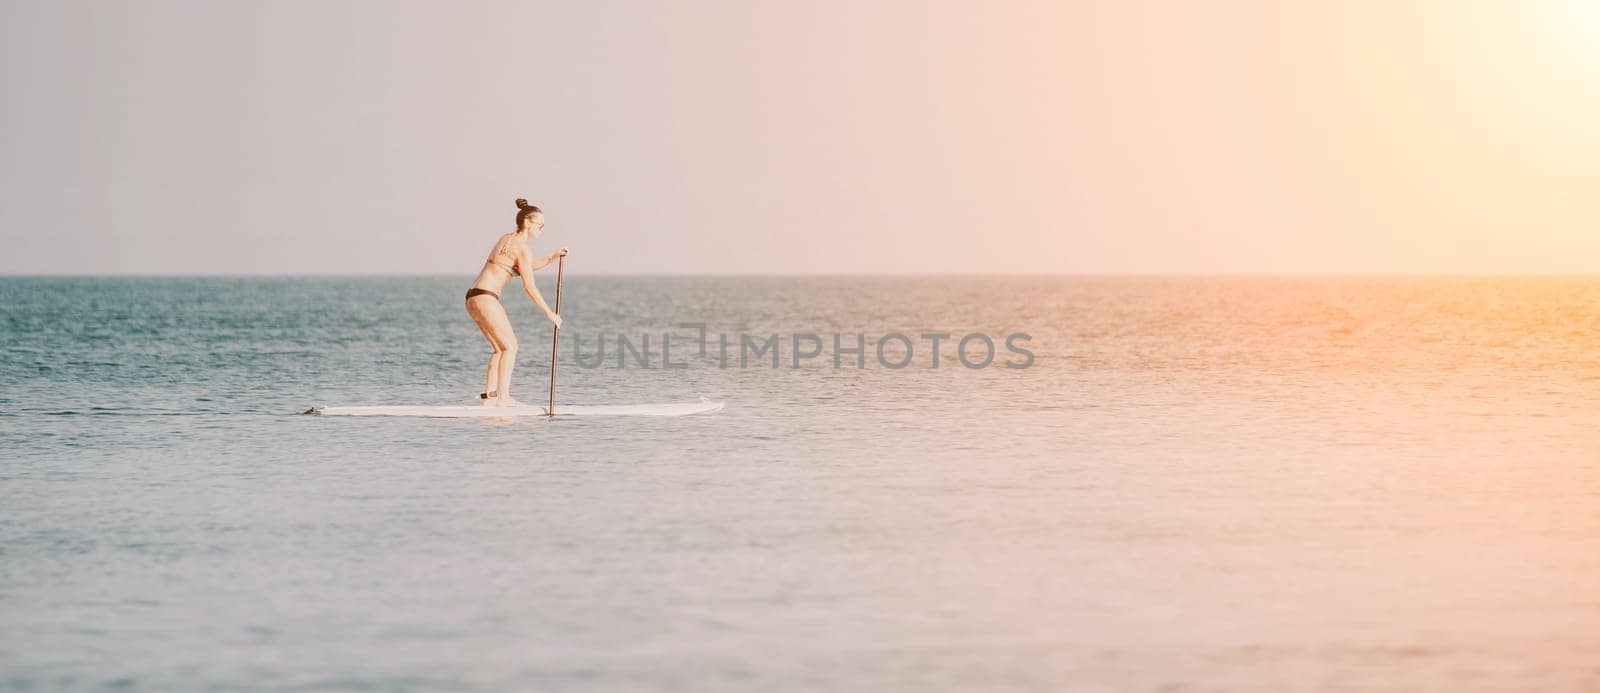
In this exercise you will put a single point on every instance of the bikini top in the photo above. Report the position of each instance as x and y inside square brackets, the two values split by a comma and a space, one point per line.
[511, 268]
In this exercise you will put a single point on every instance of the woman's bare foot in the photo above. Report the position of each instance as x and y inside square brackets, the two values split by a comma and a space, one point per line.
[507, 401]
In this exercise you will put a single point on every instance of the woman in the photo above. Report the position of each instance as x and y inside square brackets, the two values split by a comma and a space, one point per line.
[509, 258]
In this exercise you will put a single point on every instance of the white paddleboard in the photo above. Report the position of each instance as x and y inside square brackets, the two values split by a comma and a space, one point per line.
[704, 406]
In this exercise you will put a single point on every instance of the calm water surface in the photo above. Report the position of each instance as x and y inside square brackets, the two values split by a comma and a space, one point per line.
[1200, 484]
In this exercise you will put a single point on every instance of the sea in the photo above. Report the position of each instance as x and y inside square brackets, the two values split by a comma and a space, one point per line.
[1369, 483]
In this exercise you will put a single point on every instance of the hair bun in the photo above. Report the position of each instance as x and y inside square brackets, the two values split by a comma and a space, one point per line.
[521, 203]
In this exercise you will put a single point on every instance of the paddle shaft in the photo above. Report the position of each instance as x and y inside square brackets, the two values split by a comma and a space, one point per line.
[555, 337]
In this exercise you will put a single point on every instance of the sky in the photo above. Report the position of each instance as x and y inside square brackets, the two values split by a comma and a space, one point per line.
[836, 136]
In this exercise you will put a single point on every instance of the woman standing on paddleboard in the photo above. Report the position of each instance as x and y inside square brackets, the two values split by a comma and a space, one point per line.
[509, 258]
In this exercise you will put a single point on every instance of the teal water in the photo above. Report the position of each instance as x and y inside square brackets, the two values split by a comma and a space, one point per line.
[1199, 484]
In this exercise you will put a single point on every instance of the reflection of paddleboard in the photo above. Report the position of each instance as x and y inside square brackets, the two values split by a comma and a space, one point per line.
[704, 406]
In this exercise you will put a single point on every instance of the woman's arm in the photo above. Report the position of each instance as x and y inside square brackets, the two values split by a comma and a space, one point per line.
[547, 259]
[528, 265]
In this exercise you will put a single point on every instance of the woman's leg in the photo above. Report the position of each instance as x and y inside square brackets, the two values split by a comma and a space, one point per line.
[508, 362]
[496, 326]
[492, 377]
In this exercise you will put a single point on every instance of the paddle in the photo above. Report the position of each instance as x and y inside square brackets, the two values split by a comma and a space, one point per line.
[555, 338]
